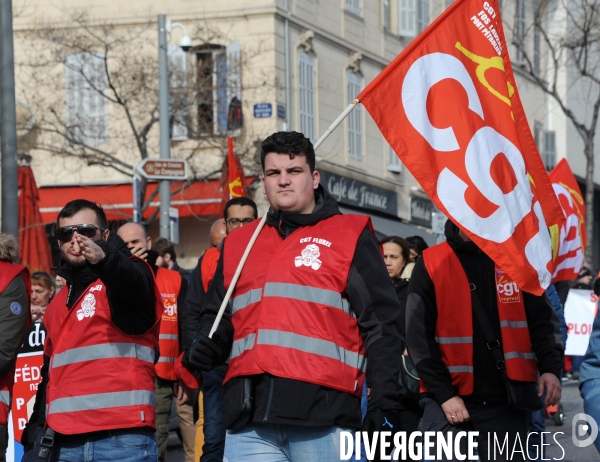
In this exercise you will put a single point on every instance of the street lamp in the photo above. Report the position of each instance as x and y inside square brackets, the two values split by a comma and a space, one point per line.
[165, 27]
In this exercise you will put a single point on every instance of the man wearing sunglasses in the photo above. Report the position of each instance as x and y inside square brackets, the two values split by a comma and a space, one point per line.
[238, 212]
[97, 390]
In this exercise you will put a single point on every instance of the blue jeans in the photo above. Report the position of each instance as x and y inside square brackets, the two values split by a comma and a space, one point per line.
[537, 425]
[128, 445]
[214, 428]
[283, 443]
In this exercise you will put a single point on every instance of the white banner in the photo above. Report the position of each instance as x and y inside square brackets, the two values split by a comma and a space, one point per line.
[580, 309]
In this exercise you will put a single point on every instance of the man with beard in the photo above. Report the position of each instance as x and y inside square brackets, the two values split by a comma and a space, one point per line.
[97, 389]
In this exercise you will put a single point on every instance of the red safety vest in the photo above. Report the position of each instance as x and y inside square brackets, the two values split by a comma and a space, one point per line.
[454, 327]
[289, 312]
[169, 285]
[100, 378]
[209, 266]
[8, 272]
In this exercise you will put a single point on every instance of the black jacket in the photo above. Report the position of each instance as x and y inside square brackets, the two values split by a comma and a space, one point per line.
[130, 290]
[421, 318]
[371, 295]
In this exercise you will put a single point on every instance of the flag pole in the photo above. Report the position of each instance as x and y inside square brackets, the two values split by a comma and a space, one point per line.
[238, 271]
[336, 122]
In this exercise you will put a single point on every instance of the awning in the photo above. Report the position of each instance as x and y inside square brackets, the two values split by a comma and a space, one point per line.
[202, 198]
[390, 227]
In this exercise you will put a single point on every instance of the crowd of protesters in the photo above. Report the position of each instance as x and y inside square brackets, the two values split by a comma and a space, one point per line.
[430, 347]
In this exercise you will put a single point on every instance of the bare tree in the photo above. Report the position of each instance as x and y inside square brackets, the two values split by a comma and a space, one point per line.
[92, 91]
[570, 34]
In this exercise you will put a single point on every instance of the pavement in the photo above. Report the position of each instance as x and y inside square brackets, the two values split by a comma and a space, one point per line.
[560, 439]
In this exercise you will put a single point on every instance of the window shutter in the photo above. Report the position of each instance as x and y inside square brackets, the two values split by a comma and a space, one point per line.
[423, 13]
[406, 20]
[74, 93]
[385, 14]
[234, 88]
[353, 6]
[354, 118]
[177, 85]
[306, 75]
[549, 149]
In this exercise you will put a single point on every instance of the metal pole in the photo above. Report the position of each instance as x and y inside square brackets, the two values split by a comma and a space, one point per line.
[8, 123]
[163, 108]
[336, 122]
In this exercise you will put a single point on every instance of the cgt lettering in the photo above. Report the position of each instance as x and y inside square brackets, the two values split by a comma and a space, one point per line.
[508, 288]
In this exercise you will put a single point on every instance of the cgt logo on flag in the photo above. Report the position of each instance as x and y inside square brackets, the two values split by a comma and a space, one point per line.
[449, 107]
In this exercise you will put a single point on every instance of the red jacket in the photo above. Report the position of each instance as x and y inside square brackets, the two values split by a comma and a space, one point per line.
[169, 285]
[8, 272]
[99, 377]
[289, 312]
[454, 328]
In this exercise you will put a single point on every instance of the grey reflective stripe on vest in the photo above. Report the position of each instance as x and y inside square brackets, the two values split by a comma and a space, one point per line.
[105, 351]
[450, 340]
[241, 345]
[460, 368]
[244, 300]
[5, 397]
[166, 359]
[308, 294]
[102, 401]
[518, 354]
[513, 324]
[168, 337]
[312, 345]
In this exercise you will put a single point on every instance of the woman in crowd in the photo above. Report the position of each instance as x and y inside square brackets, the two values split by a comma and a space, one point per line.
[42, 291]
[396, 254]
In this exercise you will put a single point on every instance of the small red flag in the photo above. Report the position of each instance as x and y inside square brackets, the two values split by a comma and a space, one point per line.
[232, 178]
[449, 107]
[568, 254]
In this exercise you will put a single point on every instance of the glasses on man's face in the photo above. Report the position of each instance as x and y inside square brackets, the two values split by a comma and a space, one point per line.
[65, 233]
[235, 222]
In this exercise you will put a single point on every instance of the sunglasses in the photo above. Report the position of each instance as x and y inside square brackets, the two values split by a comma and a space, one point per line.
[65, 233]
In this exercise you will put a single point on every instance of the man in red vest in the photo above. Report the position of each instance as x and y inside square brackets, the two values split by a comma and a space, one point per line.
[238, 212]
[97, 390]
[172, 287]
[313, 301]
[15, 318]
[462, 361]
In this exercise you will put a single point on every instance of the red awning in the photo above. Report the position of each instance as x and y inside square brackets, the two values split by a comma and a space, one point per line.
[202, 198]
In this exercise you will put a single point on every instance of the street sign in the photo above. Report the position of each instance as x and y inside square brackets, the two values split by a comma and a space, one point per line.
[281, 111]
[263, 110]
[163, 169]
[438, 222]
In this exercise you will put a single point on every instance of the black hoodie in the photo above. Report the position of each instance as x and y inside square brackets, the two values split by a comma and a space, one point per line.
[372, 297]
[130, 290]
[421, 318]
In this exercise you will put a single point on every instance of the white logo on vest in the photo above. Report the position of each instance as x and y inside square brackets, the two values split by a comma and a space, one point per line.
[310, 257]
[88, 307]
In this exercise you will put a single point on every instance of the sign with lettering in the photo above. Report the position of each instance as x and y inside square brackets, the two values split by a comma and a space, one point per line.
[353, 192]
[263, 110]
[420, 211]
[580, 310]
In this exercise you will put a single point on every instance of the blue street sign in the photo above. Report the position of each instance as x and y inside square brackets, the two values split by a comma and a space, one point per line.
[263, 110]
[281, 111]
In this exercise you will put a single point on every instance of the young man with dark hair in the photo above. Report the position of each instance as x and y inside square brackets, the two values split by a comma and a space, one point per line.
[238, 212]
[312, 303]
[97, 389]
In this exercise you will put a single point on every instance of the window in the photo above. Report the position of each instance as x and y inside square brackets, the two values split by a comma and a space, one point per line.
[354, 118]
[549, 149]
[423, 15]
[385, 14]
[537, 54]
[449, 2]
[179, 115]
[218, 89]
[406, 18]
[519, 30]
[306, 87]
[353, 6]
[393, 161]
[86, 84]
[538, 130]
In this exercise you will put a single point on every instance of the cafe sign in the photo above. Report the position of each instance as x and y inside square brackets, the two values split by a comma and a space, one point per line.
[420, 211]
[358, 194]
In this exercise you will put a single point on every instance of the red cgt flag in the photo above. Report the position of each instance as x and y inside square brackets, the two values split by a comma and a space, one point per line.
[568, 255]
[449, 107]
[233, 178]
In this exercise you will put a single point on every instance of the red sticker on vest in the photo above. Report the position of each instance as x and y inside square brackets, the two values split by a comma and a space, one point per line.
[507, 289]
[170, 304]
